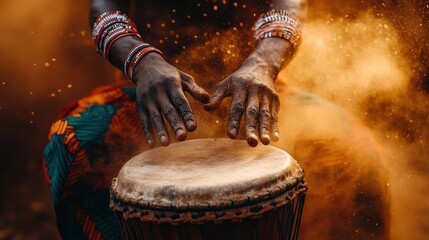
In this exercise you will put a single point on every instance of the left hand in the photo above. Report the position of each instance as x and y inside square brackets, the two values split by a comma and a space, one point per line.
[253, 93]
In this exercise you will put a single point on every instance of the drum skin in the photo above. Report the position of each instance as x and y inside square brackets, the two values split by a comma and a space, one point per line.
[210, 189]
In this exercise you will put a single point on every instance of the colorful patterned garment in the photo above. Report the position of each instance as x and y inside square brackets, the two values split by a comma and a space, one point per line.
[87, 146]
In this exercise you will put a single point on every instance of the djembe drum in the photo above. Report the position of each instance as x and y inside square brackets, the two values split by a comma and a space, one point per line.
[210, 189]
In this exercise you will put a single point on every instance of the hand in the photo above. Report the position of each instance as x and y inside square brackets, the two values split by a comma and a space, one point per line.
[253, 92]
[160, 92]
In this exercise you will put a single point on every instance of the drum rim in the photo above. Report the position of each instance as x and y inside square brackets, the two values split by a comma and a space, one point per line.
[268, 186]
[271, 195]
[133, 210]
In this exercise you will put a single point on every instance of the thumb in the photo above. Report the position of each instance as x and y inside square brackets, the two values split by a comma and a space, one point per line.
[197, 92]
[219, 94]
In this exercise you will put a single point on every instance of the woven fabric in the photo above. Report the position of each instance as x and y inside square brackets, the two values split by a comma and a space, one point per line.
[85, 151]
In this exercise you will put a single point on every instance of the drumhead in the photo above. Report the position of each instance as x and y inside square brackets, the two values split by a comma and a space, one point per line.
[206, 174]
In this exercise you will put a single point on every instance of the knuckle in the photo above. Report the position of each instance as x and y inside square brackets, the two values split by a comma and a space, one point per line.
[157, 120]
[179, 101]
[168, 110]
[176, 124]
[264, 128]
[252, 111]
[169, 79]
[145, 123]
[237, 108]
[147, 132]
[170, 82]
[265, 114]
[218, 95]
[274, 118]
[195, 88]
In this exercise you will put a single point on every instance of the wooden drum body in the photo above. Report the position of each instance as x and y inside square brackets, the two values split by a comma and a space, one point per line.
[210, 189]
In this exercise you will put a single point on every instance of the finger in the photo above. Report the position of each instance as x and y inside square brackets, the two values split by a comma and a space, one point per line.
[252, 112]
[182, 105]
[172, 117]
[264, 119]
[274, 109]
[146, 124]
[236, 112]
[192, 88]
[219, 94]
[158, 123]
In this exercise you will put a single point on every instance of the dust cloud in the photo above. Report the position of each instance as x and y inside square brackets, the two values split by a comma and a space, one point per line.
[344, 60]
[361, 64]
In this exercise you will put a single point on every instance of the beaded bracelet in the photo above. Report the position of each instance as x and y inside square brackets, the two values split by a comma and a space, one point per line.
[106, 18]
[108, 28]
[114, 36]
[108, 35]
[114, 39]
[278, 23]
[131, 54]
[139, 56]
[109, 31]
[111, 26]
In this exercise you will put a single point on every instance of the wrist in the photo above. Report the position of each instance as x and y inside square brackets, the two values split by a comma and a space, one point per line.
[278, 33]
[275, 52]
[150, 59]
[120, 50]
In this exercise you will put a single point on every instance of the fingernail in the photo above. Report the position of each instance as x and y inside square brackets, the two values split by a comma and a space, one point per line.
[163, 139]
[190, 125]
[265, 139]
[252, 140]
[149, 141]
[206, 97]
[180, 135]
[208, 107]
[233, 132]
[276, 136]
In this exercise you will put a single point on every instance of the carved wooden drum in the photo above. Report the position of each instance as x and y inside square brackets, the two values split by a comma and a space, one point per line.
[210, 189]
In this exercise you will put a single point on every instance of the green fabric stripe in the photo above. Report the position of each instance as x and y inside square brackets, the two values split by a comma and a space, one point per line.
[131, 91]
[58, 161]
[92, 125]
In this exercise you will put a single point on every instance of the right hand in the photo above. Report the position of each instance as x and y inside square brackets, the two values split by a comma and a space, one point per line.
[160, 93]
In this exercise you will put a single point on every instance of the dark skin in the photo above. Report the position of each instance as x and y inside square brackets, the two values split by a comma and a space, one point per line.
[160, 86]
